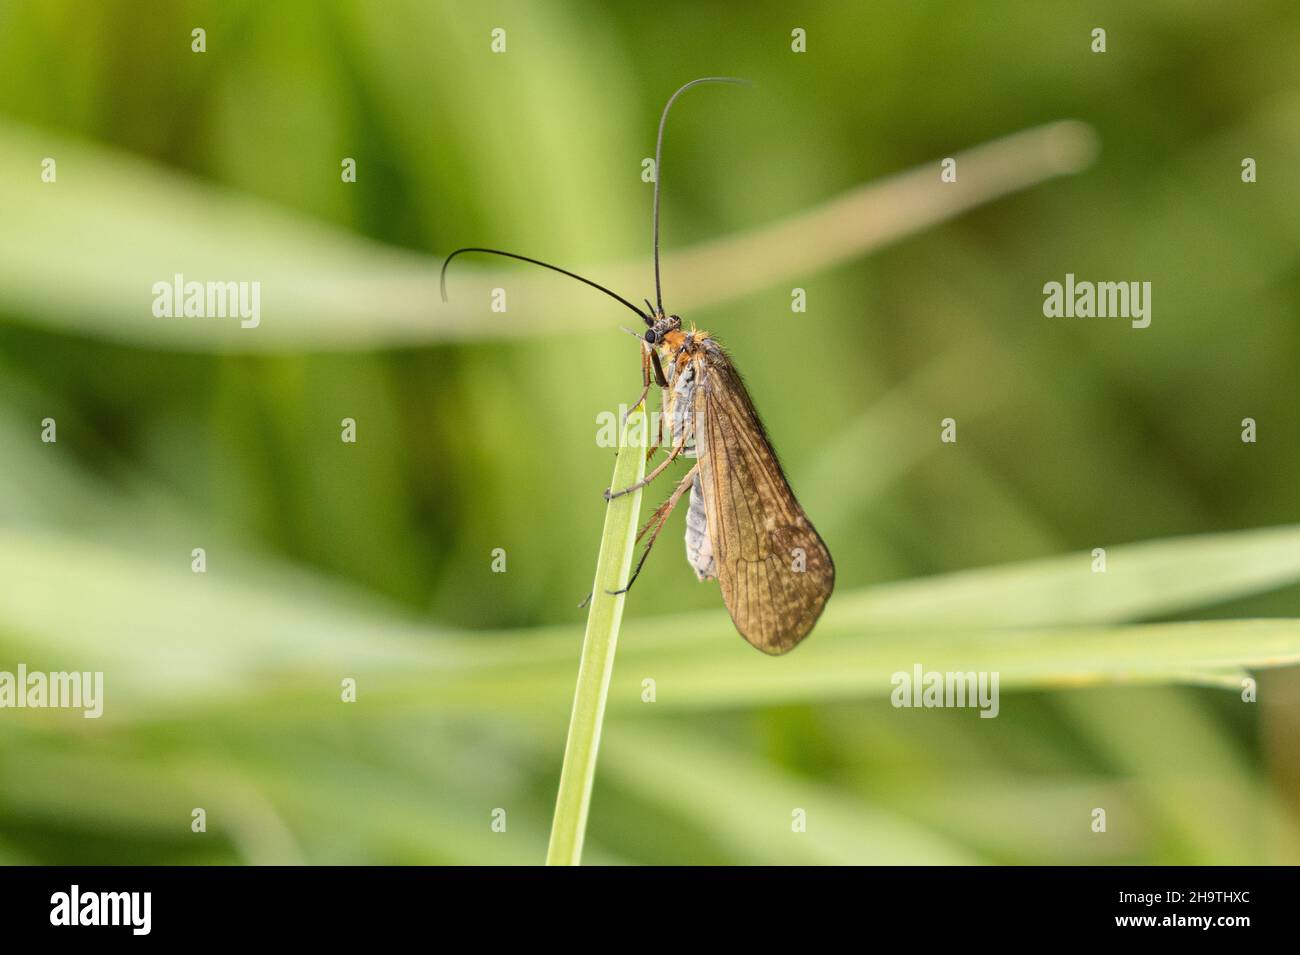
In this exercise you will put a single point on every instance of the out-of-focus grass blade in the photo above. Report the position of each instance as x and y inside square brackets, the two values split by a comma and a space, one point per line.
[83, 254]
[132, 223]
[274, 801]
[167, 636]
[1141, 580]
[1196, 791]
[750, 806]
[861, 665]
[160, 631]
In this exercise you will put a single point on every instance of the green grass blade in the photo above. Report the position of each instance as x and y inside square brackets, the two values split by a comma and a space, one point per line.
[326, 288]
[617, 544]
[280, 636]
[1143, 579]
[856, 666]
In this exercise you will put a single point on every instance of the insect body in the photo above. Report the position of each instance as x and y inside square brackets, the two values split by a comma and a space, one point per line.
[744, 526]
[699, 544]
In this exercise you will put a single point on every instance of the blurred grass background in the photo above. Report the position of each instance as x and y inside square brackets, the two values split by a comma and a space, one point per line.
[374, 560]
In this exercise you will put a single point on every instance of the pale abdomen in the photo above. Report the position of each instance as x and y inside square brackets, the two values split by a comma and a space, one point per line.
[699, 546]
[681, 420]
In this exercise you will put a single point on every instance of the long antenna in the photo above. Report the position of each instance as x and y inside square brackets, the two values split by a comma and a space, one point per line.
[546, 265]
[659, 169]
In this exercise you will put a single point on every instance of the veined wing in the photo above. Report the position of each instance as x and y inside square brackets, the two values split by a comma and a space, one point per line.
[774, 570]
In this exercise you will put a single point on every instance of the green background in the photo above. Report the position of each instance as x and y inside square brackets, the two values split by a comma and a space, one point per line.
[476, 431]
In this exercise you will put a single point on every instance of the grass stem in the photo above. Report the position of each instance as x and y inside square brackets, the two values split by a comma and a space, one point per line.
[604, 615]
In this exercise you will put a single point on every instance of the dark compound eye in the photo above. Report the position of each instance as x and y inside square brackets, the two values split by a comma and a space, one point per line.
[650, 336]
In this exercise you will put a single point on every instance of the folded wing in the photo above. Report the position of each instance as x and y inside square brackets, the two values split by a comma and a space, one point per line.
[774, 569]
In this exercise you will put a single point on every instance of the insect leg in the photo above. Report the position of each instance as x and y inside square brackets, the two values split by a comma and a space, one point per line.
[645, 380]
[660, 380]
[663, 404]
[660, 514]
[659, 434]
[658, 519]
[677, 449]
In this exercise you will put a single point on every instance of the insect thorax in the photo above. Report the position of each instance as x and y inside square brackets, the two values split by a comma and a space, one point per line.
[681, 403]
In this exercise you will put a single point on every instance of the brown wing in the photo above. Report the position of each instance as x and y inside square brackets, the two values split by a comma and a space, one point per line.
[775, 572]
